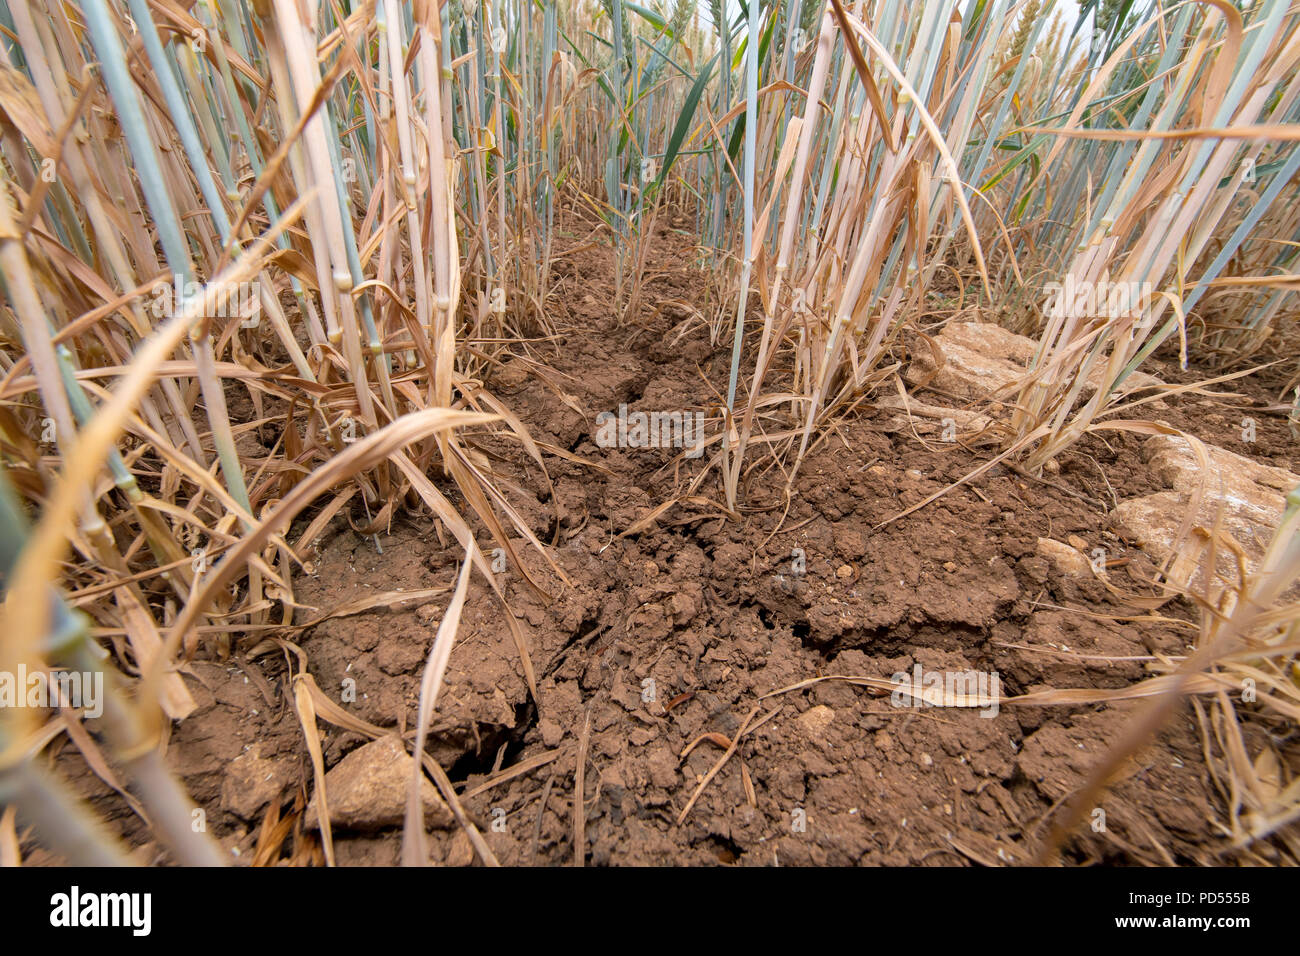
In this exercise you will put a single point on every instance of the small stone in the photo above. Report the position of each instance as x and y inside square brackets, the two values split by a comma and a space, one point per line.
[366, 790]
[427, 613]
[844, 572]
[927, 760]
[950, 566]
[1065, 559]
[816, 720]
[978, 359]
[1077, 543]
[651, 569]
[914, 474]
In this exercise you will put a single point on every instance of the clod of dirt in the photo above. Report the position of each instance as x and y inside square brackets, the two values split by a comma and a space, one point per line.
[366, 790]
[251, 781]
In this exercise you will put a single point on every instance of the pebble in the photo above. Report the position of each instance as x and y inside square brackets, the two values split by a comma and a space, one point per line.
[366, 790]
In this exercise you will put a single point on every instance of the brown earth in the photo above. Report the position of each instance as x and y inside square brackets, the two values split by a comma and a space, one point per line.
[681, 630]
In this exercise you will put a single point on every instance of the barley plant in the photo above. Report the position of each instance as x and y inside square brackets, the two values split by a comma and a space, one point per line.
[260, 257]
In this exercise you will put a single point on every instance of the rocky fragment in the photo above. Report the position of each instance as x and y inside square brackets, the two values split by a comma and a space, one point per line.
[366, 790]
[1067, 560]
[1245, 499]
[982, 359]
